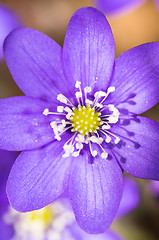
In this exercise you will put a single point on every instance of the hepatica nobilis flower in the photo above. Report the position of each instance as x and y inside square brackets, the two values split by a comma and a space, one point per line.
[78, 125]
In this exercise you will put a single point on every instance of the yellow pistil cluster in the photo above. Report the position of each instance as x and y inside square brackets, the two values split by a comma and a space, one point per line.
[44, 215]
[85, 120]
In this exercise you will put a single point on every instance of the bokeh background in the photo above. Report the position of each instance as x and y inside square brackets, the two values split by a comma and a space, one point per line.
[130, 29]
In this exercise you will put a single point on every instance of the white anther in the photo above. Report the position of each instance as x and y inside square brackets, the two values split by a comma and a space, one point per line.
[104, 155]
[94, 153]
[99, 140]
[60, 127]
[62, 98]
[69, 110]
[99, 105]
[68, 116]
[108, 139]
[68, 148]
[79, 145]
[102, 94]
[77, 85]
[89, 102]
[60, 108]
[87, 89]
[75, 154]
[113, 119]
[80, 138]
[78, 94]
[55, 129]
[65, 155]
[105, 127]
[117, 140]
[53, 124]
[110, 89]
[63, 123]
[46, 111]
[57, 137]
[94, 139]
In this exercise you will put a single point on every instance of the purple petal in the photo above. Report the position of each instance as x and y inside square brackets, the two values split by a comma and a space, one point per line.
[136, 78]
[130, 198]
[110, 7]
[108, 235]
[157, 3]
[38, 70]
[95, 191]
[23, 125]
[8, 21]
[153, 186]
[38, 177]
[6, 230]
[79, 234]
[138, 151]
[89, 49]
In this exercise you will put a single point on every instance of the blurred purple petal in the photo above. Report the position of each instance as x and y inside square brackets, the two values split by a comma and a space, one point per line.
[130, 198]
[114, 7]
[154, 187]
[89, 49]
[6, 161]
[8, 21]
[95, 192]
[157, 3]
[79, 234]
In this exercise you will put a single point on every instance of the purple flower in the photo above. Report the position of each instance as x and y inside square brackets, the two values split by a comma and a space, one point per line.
[55, 221]
[114, 7]
[78, 125]
[8, 21]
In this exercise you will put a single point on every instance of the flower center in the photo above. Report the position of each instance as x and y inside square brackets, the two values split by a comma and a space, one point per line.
[46, 223]
[85, 120]
[44, 216]
[90, 122]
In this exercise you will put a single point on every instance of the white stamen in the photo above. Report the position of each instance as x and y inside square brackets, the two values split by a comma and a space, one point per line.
[78, 95]
[55, 129]
[60, 108]
[78, 84]
[110, 89]
[46, 111]
[104, 155]
[117, 140]
[105, 126]
[62, 98]
[69, 110]
[88, 102]
[98, 122]
[108, 139]
[87, 89]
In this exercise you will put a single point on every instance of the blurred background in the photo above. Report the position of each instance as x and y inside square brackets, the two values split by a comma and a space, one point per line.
[130, 29]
